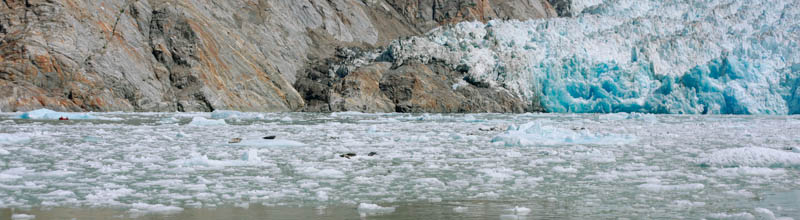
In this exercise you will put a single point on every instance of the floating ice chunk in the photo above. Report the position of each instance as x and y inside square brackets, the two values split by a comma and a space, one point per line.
[58, 194]
[138, 209]
[764, 214]
[560, 169]
[22, 217]
[168, 120]
[202, 160]
[53, 115]
[251, 156]
[13, 174]
[373, 209]
[654, 187]
[47, 114]
[757, 214]
[687, 204]
[749, 171]
[520, 210]
[322, 196]
[4, 152]
[460, 209]
[751, 157]
[200, 121]
[734, 216]
[614, 117]
[226, 114]
[223, 114]
[534, 133]
[430, 182]
[14, 138]
[321, 173]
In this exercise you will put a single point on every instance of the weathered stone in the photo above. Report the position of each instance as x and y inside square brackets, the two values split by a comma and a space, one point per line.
[411, 87]
[202, 55]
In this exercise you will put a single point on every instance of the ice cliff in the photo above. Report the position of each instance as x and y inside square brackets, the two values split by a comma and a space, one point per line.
[672, 56]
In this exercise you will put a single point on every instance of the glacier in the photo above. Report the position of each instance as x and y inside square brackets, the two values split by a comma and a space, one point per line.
[672, 56]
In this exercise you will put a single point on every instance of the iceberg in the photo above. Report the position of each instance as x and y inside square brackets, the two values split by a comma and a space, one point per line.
[47, 114]
[649, 56]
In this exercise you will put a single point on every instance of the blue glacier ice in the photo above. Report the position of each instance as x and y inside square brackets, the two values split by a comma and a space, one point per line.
[47, 114]
[671, 56]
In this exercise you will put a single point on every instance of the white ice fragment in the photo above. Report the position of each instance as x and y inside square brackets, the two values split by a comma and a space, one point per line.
[14, 138]
[460, 209]
[560, 169]
[373, 209]
[655, 187]
[251, 156]
[138, 209]
[751, 157]
[322, 196]
[321, 173]
[22, 217]
[520, 210]
[200, 121]
[734, 216]
[764, 214]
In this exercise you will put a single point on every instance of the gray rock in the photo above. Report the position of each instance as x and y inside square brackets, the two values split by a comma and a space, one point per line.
[202, 55]
[410, 87]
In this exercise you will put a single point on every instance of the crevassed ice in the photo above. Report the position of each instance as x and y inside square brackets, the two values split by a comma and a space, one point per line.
[671, 56]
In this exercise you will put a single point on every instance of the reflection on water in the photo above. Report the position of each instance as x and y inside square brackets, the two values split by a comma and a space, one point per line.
[441, 210]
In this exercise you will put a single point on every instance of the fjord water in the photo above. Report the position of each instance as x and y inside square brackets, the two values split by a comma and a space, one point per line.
[435, 166]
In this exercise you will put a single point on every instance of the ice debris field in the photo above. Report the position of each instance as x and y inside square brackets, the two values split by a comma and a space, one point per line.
[655, 56]
[557, 165]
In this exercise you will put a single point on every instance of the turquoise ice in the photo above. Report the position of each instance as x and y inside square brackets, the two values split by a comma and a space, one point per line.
[685, 57]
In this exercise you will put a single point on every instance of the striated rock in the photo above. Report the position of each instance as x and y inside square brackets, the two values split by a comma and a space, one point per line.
[202, 55]
[410, 87]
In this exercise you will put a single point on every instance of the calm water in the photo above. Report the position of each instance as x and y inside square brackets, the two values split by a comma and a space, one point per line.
[431, 166]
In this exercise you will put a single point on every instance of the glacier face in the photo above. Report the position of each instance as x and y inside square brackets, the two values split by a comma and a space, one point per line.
[671, 56]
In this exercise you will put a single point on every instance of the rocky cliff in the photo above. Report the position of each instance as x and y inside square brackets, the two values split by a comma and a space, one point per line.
[202, 55]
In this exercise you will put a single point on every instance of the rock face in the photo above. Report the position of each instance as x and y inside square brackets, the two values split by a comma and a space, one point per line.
[386, 86]
[202, 55]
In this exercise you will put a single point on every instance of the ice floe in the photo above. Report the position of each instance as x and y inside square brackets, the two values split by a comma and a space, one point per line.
[201, 121]
[751, 157]
[372, 209]
[535, 133]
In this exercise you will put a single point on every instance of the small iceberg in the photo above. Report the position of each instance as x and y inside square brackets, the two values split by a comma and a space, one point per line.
[200, 121]
[47, 114]
[372, 209]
